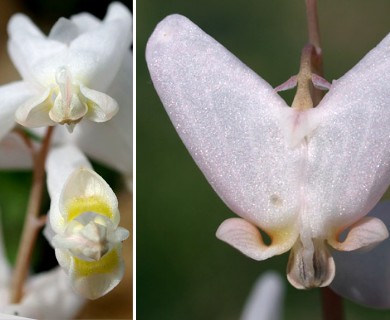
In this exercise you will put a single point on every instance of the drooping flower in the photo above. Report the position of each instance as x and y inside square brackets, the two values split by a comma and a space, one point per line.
[84, 220]
[301, 176]
[67, 73]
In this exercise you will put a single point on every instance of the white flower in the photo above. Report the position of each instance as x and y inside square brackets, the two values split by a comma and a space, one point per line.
[84, 219]
[68, 72]
[265, 301]
[302, 177]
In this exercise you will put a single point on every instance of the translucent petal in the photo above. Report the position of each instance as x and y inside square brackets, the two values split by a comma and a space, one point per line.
[85, 21]
[64, 31]
[363, 276]
[11, 97]
[266, 298]
[60, 164]
[32, 53]
[35, 111]
[94, 279]
[90, 137]
[85, 190]
[101, 107]
[98, 53]
[231, 121]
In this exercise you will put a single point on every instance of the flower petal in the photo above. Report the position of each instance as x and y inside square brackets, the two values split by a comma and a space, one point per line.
[11, 97]
[32, 53]
[98, 53]
[60, 164]
[363, 276]
[117, 155]
[230, 120]
[64, 31]
[86, 191]
[35, 111]
[245, 237]
[266, 298]
[101, 107]
[367, 232]
[93, 279]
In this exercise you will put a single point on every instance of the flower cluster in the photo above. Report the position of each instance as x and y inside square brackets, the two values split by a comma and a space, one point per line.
[78, 80]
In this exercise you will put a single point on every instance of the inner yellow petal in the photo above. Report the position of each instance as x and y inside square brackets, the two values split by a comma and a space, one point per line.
[96, 204]
[107, 264]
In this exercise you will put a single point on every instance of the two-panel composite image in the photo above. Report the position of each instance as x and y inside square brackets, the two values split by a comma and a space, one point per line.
[194, 160]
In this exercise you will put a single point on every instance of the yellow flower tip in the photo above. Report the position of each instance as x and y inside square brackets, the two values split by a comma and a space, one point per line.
[109, 263]
[78, 206]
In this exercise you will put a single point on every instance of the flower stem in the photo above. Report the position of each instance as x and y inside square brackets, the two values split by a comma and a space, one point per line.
[332, 305]
[33, 223]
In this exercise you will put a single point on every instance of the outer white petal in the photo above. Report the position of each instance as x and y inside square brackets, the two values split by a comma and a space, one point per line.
[6, 316]
[60, 164]
[85, 183]
[85, 21]
[230, 120]
[363, 276]
[101, 107]
[14, 154]
[32, 53]
[98, 53]
[35, 111]
[349, 152]
[111, 143]
[266, 299]
[93, 284]
[11, 97]
[64, 31]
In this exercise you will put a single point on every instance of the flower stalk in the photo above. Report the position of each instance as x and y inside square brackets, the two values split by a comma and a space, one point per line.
[332, 306]
[33, 221]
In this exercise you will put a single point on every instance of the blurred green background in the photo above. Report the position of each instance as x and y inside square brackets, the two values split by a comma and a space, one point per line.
[183, 271]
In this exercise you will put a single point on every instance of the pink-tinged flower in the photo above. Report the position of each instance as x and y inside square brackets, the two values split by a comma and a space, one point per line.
[83, 223]
[302, 177]
[67, 73]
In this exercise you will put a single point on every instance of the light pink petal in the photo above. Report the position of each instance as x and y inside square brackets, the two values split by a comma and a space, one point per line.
[245, 237]
[230, 120]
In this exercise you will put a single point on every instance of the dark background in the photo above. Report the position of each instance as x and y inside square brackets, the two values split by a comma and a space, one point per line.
[183, 271]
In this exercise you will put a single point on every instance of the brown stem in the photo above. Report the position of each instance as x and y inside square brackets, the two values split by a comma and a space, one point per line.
[32, 223]
[332, 305]
[314, 40]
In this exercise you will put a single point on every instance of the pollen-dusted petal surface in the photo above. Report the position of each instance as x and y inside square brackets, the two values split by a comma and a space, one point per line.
[229, 119]
[349, 152]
